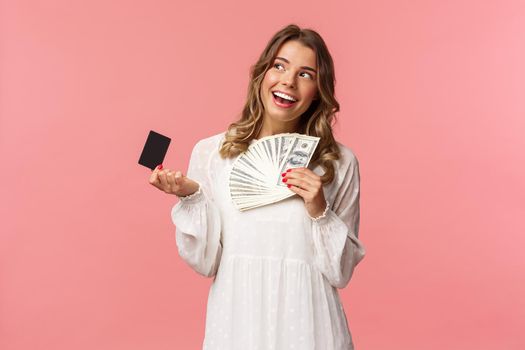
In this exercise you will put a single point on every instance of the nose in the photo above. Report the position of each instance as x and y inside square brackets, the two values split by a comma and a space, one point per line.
[289, 79]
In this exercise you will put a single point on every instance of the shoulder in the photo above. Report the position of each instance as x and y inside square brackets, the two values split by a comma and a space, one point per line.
[210, 143]
[347, 158]
[346, 172]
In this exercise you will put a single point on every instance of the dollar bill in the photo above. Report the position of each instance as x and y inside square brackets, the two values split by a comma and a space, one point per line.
[299, 154]
[255, 177]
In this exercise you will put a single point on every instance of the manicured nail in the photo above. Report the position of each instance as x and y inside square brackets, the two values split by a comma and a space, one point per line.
[289, 185]
[160, 166]
[288, 170]
[283, 174]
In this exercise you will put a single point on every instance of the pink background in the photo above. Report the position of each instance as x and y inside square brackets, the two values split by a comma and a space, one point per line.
[432, 100]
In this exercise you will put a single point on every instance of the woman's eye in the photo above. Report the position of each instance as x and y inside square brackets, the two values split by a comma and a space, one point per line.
[276, 65]
[308, 75]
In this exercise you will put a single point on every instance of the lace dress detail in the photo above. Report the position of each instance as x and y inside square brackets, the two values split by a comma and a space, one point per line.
[317, 218]
[190, 196]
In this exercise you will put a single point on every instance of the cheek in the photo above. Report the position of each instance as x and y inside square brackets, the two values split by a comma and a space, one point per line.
[270, 79]
[309, 93]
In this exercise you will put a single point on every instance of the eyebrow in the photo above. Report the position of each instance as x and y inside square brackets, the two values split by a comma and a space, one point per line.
[303, 67]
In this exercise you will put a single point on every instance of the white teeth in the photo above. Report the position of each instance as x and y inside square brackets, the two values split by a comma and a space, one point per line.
[280, 94]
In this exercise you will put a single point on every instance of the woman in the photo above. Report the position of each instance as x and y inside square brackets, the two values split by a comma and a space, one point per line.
[277, 267]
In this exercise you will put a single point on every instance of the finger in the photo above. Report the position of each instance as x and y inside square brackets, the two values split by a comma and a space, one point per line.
[178, 177]
[170, 178]
[299, 179]
[154, 177]
[162, 178]
[304, 172]
[307, 175]
[173, 181]
[301, 192]
[157, 169]
[300, 184]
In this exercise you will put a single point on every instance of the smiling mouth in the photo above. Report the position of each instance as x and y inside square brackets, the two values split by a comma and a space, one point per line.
[282, 101]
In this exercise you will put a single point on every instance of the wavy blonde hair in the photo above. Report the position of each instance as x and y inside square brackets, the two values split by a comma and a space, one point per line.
[315, 121]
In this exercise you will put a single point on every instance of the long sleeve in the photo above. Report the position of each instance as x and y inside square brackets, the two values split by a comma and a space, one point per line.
[197, 218]
[335, 235]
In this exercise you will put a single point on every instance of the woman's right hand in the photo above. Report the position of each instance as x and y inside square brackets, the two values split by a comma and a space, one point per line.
[173, 182]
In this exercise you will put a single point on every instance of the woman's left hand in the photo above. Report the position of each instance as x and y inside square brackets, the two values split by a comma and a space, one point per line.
[308, 185]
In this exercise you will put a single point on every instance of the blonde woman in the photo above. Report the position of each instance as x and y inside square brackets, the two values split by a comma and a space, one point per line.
[277, 268]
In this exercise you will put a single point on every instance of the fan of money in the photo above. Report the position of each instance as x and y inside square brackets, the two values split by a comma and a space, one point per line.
[255, 178]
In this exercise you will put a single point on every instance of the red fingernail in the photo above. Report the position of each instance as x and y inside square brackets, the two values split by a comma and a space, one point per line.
[284, 180]
[160, 166]
[283, 174]
[289, 186]
[288, 170]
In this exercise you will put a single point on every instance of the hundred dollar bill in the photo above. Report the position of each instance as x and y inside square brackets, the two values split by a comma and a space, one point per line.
[299, 154]
[255, 177]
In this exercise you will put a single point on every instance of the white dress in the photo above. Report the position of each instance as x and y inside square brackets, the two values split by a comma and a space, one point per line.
[276, 270]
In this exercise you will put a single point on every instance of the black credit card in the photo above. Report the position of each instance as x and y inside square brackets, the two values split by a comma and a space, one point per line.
[154, 150]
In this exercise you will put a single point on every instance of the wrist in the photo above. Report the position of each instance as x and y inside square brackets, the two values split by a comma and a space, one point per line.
[322, 214]
[195, 193]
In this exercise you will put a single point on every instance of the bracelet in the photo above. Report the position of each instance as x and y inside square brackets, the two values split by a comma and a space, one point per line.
[191, 195]
[323, 214]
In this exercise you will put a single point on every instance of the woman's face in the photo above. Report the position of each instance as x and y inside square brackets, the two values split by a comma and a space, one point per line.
[293, 72]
